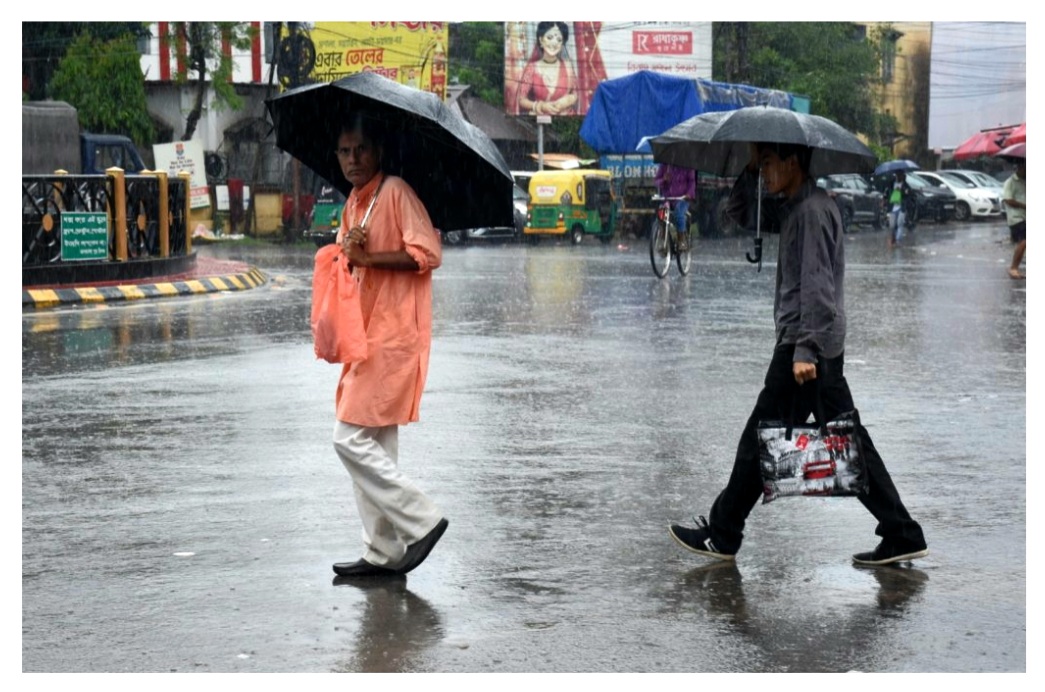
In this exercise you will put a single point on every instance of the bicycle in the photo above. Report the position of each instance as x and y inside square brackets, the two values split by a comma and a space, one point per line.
[664, 239]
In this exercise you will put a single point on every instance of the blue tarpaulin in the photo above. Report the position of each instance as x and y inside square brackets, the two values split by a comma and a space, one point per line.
[645, 104]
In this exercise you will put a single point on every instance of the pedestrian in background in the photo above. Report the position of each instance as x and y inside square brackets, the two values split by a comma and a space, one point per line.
[1014, 193]
[897, 195]
[392, 258]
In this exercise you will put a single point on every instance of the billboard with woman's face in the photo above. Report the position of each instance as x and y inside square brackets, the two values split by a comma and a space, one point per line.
[553, 68]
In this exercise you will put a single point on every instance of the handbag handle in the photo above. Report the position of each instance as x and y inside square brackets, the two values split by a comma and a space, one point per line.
[818, 412]
[366, 216]
[370, 208]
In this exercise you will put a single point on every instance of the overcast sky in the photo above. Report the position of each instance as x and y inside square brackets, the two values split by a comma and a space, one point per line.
[978, 79]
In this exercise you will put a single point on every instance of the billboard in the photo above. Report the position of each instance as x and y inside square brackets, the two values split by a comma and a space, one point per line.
[411, 53]
[553, 68]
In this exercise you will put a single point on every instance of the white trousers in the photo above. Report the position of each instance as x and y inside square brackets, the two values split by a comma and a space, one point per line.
[393, 511]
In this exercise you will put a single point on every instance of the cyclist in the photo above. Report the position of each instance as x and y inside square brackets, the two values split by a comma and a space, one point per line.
[672, 181]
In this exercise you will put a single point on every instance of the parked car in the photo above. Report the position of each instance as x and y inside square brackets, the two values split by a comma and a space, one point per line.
[520, 199]
[521, 203]
[929, 202]
[971, 200]
[985, 182]
[857, 201]
[977, 178]
[522, 178]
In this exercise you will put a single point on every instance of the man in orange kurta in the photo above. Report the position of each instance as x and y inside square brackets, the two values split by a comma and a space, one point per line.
[392, 248]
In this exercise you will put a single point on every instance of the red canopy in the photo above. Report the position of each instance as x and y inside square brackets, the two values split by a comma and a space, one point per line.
[985, 143]
[1017, 136]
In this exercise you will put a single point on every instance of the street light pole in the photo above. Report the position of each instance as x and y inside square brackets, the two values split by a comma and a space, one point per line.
[542, 120]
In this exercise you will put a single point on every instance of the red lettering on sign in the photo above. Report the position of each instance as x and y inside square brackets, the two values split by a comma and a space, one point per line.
[662, 43]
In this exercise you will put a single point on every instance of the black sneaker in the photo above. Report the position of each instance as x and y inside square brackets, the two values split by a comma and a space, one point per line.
[698, 540]
[888, 553]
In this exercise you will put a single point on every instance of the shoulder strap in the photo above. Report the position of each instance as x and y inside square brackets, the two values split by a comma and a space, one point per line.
[373, 200]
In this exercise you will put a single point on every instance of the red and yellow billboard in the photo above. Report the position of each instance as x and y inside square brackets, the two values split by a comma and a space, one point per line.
[553, 68]
[411, 53]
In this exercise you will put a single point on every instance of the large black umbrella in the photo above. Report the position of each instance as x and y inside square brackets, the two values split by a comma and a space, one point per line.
[720, 143]
[456, 170]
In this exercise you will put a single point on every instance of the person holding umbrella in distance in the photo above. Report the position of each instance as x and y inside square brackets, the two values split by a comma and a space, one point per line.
[392, 254]
[897, 197]
[808, 359]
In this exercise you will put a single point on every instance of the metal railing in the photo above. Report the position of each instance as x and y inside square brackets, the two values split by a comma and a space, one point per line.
[146, 215]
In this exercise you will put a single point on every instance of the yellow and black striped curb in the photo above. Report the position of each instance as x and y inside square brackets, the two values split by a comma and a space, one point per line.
[53, 297]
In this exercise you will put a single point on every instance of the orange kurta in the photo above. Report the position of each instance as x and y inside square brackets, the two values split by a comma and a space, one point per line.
[385, 389]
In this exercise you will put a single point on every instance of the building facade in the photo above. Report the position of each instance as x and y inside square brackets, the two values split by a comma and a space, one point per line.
[903, 91]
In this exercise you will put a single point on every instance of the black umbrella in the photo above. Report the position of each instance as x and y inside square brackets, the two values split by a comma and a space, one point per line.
[456, 170]
[720, 143]
[896, 165]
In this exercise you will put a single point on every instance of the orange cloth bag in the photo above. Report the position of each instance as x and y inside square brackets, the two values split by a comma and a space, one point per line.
[338, 334]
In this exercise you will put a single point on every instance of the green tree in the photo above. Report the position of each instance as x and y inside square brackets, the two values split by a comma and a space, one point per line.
[205, 56]
[103, 80]
[834, 64]
[44, 45]
[477, 59]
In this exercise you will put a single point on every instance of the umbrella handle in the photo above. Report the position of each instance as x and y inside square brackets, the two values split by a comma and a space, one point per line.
[757, 257]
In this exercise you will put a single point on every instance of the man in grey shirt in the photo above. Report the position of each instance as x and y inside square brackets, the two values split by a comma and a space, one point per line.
[808, 359]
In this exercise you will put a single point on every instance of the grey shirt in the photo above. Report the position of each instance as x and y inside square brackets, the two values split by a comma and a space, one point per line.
[809, 306]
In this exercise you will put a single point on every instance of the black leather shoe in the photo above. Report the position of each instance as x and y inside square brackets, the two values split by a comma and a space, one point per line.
[417, 552]
[361, 568]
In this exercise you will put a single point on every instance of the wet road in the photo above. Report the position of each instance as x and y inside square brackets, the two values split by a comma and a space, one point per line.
[182, 502]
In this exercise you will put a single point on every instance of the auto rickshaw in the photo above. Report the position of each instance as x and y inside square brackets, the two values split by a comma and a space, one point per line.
[571, 204]
[325, 218]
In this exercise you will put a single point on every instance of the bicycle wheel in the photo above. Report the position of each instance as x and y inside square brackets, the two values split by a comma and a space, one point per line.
[683, 258]
[659, 248]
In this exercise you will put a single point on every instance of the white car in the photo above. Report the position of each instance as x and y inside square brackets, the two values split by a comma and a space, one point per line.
[972, 201]
[977, 178]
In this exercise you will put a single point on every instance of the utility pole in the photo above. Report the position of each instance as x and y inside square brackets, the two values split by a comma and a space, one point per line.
[542, 120]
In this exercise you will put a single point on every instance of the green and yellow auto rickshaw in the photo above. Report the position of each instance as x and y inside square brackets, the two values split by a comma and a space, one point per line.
[571, 204]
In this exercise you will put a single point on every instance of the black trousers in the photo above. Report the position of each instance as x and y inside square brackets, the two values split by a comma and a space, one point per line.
[779, 397]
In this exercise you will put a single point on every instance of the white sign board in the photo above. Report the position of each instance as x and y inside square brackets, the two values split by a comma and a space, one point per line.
[185, 156]
[221, 197]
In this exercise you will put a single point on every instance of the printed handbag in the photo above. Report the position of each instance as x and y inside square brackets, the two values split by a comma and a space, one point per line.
[812, 459]
[338, 335]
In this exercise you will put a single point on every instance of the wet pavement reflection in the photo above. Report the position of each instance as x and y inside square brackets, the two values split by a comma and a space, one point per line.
[182, 503]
